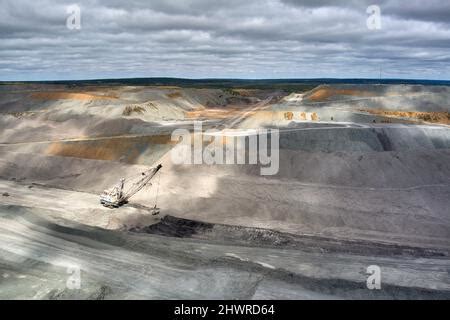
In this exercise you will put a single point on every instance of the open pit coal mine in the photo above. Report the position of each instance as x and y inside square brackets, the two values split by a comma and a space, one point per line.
[356, 206]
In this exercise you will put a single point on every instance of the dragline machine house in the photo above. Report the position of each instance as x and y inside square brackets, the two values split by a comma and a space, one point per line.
[126, 188]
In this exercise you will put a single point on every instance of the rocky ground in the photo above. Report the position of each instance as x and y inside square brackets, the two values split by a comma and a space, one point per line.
[355, 187]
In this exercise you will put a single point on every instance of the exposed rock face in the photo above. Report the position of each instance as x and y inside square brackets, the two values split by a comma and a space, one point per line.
[363, 178]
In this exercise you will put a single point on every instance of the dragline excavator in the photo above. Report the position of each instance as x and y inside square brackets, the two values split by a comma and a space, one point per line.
[120, 194]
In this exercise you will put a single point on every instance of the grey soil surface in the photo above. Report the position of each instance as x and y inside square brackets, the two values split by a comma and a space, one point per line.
[353, 189]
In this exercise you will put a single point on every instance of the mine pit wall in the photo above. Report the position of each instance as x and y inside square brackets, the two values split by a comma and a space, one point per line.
[388, 196]
[395, 97]
[64, 172]
[315, 138]
[344, 182]
[366, 139]
[344, 195]
[139, 150]
[287, 116]
[165, 102]
[420, 153]
[391, 184]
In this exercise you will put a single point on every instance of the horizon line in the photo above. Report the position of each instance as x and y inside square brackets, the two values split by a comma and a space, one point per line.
[224, 79]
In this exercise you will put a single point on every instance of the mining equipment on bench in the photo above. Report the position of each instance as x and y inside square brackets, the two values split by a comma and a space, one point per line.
[120, 194]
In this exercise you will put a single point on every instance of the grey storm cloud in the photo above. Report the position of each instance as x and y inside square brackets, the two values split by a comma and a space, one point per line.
[233, 38]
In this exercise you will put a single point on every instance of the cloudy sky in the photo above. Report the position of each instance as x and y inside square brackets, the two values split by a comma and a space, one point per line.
[224, 39]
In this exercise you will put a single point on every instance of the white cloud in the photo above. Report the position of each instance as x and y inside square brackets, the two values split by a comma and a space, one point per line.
[239, 39]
